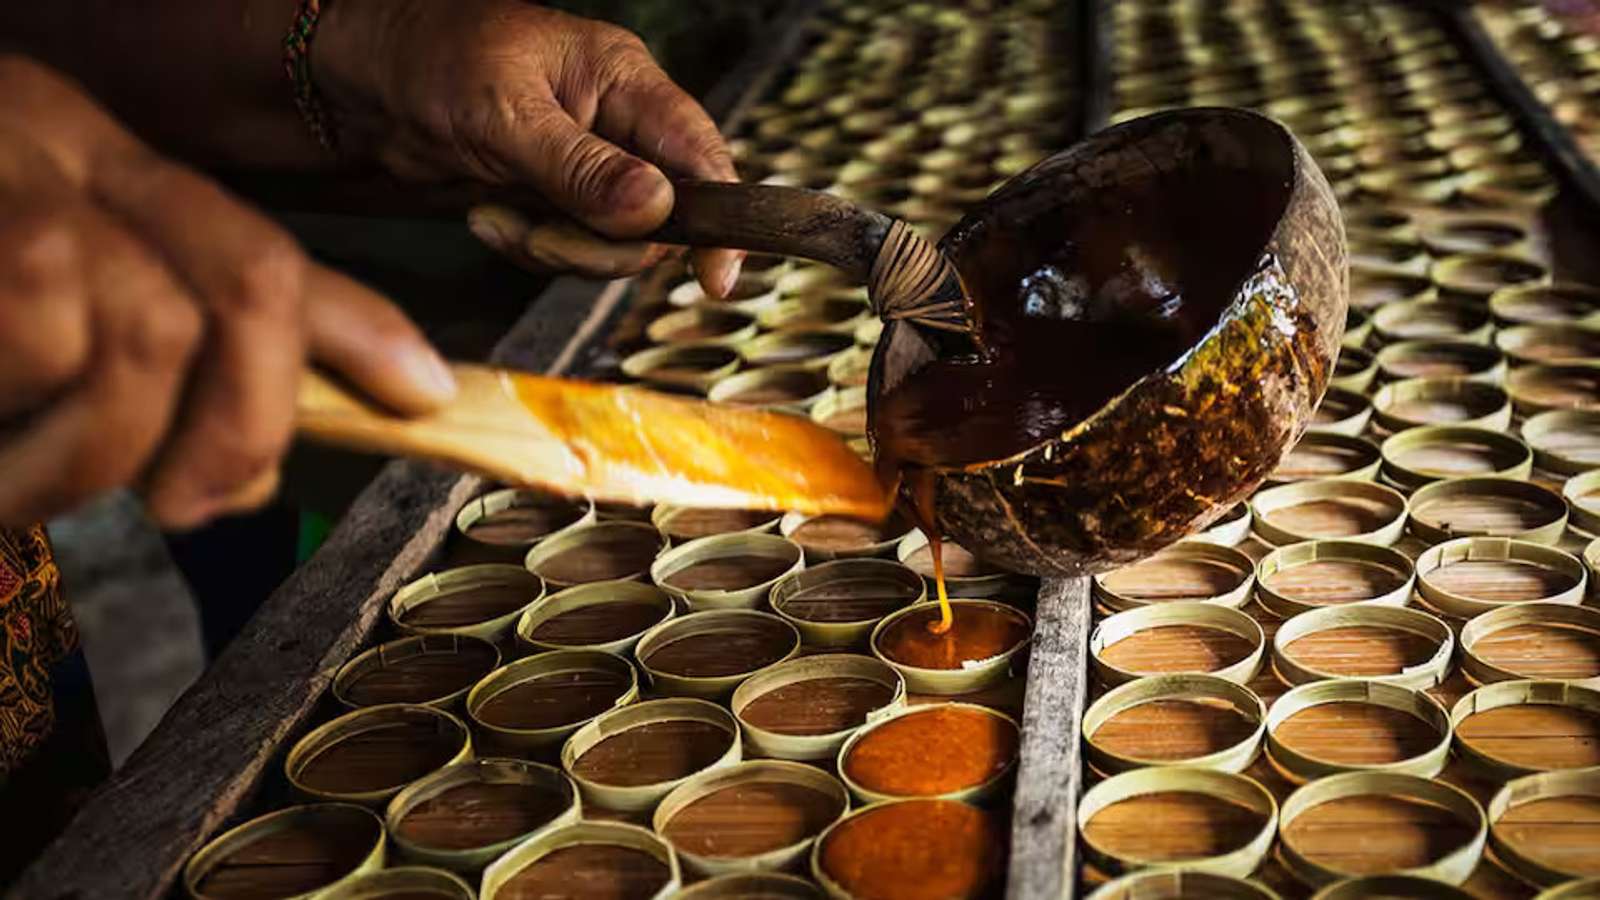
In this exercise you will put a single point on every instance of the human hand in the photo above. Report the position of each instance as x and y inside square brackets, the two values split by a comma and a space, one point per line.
[153, 329]
[504, 92]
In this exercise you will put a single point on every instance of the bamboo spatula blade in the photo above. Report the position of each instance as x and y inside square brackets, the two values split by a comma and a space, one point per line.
[612, 443]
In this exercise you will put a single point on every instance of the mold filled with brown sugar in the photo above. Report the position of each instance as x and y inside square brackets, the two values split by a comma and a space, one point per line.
[555, 699]
[916, 850]
[687, 524]
[841, 534]
[653, 753]
[587, 872]
[930, 752]
[817, 706]
[979, 632]
[480, 814]
[608, 555]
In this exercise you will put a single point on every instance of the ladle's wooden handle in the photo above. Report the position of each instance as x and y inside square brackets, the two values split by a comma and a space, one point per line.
[773, 219]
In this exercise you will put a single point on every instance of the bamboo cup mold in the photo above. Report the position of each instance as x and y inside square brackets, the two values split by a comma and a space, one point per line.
[1441, 401]
[1119, 627]
[982, 782]
[707, 653]
[1177, 884]
[1386, 577]
[965, 675]
[767, 885]
[603, 551]
[726, 571]
[608, 616]
[547, 844]
[480, 601]
[682, 524]
[357, 824]
[515, 774]
[511, 716]
[838, 603]
[428, 669]
[506, 523]
[781, 388]
[693, 366]
[1226, 577]
[701, 325]
[621, 784]
[1431, 358]
[702, 856]
[1301, 766]
[1329, 508]
[1219, 695]
[1539, 303]
[1421, 675]
[1238, 862]
[1453, 864]
[1420, 456]
[1487, 507]
[797, 727]
[1328, 455]
[1341, 412]
[410, 741]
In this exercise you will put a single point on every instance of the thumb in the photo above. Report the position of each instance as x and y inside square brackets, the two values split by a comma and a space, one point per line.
[365, 339]
[611, 191]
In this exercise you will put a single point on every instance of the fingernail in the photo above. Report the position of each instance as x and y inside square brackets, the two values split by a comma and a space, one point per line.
[487, 230]
[431, 374]
[731, 276]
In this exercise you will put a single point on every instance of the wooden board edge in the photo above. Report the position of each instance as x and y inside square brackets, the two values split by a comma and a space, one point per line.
[1044, 831]
[1552, 140]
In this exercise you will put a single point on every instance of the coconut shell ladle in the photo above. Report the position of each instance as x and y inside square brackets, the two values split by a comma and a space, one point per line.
[1217, 202]
[1135, 222]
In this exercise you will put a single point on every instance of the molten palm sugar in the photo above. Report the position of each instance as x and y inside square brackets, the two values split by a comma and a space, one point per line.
[305, 855]
[980, 631]
[482, 813]
[751, 818]
[653, 753]
[379, 758]
[554, 699]
[932, 752]
[598, 623]
[589, 872]
[915, 850]
[817, 706]
[422, 677]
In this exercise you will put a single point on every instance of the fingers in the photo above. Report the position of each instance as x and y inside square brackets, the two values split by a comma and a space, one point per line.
[103, 428]
[43, 309]
[248, 275]
[613, 192]
[649, 114]
[551, 246]
[364, 338]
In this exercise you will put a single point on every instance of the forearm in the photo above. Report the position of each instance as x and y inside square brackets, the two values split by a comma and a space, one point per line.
[200, 78]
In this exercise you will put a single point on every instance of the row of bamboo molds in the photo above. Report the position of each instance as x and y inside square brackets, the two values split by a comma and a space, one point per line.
[1338, 653]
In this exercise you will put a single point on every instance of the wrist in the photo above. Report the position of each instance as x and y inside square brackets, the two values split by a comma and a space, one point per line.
[346, 60]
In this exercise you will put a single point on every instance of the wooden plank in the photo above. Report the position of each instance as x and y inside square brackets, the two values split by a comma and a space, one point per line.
[1044, 812]
[1551, 139]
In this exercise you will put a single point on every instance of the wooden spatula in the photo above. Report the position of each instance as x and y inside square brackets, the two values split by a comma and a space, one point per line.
[609, 442]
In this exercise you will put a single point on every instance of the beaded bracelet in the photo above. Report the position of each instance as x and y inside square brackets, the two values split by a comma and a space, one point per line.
[297, 63]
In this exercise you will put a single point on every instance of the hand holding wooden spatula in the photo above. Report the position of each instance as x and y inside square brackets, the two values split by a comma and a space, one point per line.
[611, 443]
